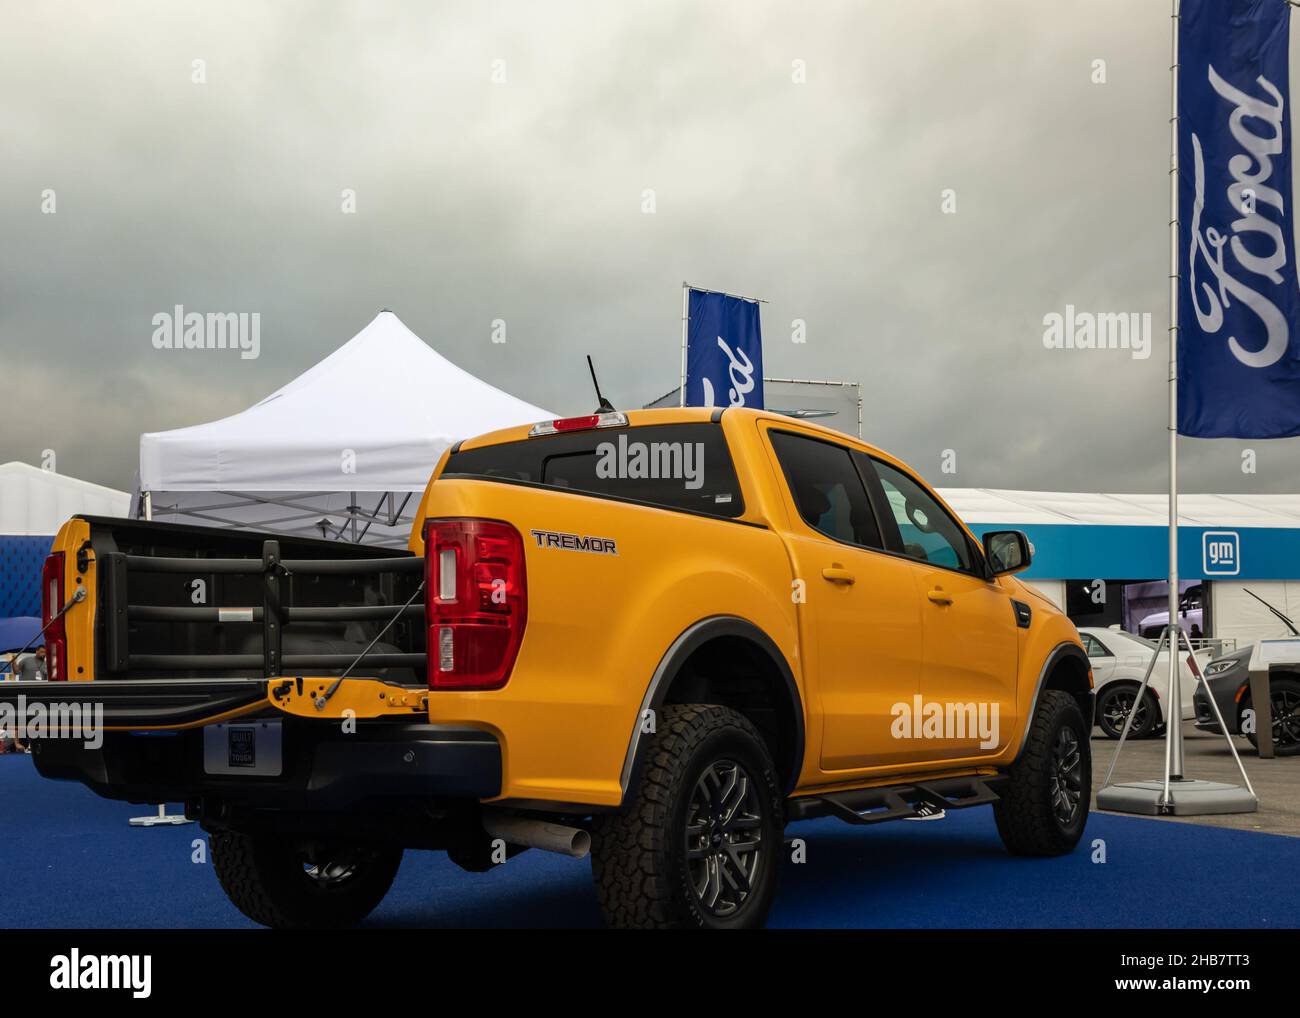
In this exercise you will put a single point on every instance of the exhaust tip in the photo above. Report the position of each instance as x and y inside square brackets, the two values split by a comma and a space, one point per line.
[549, 837]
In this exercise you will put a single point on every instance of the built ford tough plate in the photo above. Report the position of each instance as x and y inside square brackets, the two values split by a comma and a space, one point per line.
[658, 636]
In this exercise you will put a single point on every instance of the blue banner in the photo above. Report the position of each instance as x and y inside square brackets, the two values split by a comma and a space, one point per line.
[724, 351]
[1238, 310]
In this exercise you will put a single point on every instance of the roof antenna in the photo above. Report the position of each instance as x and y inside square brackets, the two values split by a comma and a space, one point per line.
[606, 407]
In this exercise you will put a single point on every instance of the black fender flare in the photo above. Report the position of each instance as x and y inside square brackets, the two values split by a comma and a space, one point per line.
[671, 663]
[1059, 653]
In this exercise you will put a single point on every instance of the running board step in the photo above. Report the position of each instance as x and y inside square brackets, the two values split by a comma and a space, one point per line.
[896, 802]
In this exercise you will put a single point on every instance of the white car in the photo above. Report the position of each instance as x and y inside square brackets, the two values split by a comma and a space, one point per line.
[1190, 614]
[1119, 660]
[1154, 624]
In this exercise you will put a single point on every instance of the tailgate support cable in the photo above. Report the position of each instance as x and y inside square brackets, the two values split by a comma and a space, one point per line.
[323, 699]
[76, 598]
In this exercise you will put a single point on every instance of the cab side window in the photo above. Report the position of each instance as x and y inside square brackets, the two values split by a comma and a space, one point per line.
[827, 489]
[929, 534]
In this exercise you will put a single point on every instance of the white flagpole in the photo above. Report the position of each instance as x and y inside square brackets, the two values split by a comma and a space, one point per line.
[1156, 797]
[1173, 722]
[686, 317]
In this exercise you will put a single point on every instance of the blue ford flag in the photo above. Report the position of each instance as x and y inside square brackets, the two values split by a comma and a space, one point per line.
[1238, 305]
[724, 351]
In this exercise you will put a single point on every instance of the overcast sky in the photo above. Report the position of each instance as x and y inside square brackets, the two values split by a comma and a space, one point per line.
[523, 200]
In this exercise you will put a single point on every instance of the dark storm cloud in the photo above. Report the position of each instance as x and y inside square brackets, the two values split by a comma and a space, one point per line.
[522, 201]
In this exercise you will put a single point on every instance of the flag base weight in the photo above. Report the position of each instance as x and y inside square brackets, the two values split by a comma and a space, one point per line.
[1187, 798]
[161, 819]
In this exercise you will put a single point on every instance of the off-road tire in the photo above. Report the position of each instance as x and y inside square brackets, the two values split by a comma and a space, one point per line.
[639, 855]
[266, 879]
[1025, 813]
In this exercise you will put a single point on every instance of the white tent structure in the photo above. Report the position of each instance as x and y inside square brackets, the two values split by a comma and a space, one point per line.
[1014, 508]
[36, 502]
[341, 452]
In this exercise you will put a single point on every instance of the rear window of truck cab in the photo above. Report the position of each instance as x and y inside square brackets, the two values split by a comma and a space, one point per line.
[675, 466]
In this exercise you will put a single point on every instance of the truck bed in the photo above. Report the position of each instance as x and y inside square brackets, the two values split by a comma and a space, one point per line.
[184, 602]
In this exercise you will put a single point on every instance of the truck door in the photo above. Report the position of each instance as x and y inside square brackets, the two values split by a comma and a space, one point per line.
[970, 633]
[860, 619]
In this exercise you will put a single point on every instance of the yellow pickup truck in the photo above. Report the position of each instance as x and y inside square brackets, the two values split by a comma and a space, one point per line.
[657, 636]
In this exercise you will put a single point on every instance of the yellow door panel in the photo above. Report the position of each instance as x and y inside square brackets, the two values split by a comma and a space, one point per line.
[869, 636]
[971, 655]
[861, 609]
[967, 704]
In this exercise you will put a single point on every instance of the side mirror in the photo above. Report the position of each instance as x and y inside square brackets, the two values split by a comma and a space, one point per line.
[1007, 551]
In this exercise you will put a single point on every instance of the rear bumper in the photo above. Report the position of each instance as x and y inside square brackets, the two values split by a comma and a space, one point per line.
[415, 760]
[143, 740]
[143, 703]
[382, 765]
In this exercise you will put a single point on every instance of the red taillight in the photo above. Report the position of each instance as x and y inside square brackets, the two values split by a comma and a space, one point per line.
[476, 602]
[52, 601]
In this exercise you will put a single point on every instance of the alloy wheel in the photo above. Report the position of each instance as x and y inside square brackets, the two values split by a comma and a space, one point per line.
[1116, 709]
[1066, 776]
[724, 837]
[1286, 717]
[328, 872]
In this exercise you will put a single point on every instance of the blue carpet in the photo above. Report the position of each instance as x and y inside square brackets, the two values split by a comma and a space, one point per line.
[68, 859]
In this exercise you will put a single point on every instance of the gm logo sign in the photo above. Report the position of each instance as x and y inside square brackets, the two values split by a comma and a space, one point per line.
[1221, 553]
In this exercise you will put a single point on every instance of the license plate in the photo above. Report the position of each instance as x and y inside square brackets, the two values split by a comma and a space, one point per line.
[251, 748]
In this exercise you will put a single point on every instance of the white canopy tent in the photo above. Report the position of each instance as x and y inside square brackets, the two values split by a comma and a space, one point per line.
[36, 502]
[342, 451]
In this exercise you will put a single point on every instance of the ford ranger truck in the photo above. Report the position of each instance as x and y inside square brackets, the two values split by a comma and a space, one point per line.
[658, 636]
